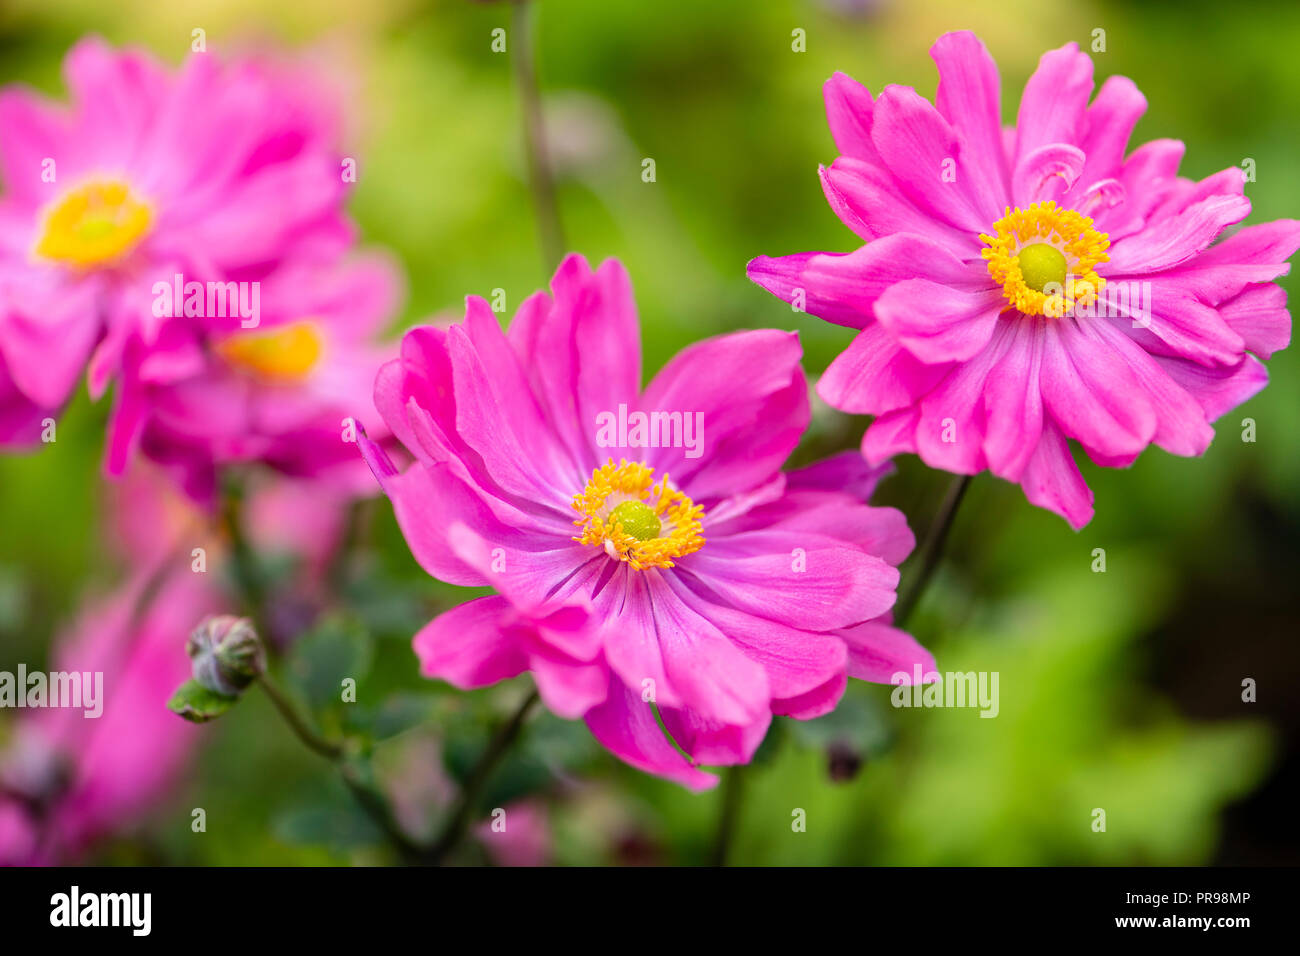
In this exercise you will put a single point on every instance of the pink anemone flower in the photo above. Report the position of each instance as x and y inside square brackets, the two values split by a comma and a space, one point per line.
[280, 394]
[219, 173]
[1021, 287]
[651, 560]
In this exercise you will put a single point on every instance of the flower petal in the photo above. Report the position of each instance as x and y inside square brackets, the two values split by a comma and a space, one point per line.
[1174, 240]
[748, 392]
[938, 323]
[868, 199]
[690, 663]
[970, 98]
[1052, 108]
[582, 351]
[1181, 428]
[923, 153]
[875, 375]
[843, 288]
[848, 112]
[878, 652]
[794, 577]
[1259, 315]
[1013, 404]
[471, 645]
[796, 661]
[1052, 480]
[1218, 390]
[1092, 394]
[626, 725]
[1048, 173]
[712, 742]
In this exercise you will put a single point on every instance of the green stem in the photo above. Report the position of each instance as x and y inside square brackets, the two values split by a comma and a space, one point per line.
[459, 820]
[315, 742]
[540, 179]
[932, 549]
[355, 774]
[372, 801]
[253, 596]
[733, 785]
[244, 570]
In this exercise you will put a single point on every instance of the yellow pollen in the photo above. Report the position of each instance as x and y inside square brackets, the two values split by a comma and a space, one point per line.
[620, 508]
[283, 355]
[96, 223]
[1034, 234]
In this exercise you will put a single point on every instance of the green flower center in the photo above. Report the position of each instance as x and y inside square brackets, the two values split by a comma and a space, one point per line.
[1041, 265]
[638, 519]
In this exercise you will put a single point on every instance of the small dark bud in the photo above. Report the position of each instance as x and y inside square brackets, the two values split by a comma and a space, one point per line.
[842, 762]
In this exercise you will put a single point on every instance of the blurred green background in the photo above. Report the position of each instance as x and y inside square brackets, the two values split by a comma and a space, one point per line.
[1119, 690]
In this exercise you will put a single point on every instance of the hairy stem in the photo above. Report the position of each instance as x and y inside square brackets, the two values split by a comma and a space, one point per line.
[932, 550]
[458, 821]
[315, 742]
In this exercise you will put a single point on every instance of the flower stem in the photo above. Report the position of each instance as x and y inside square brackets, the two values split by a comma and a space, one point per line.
[244, 570]
[458, 821]
[932, 549]
[732, 791]
[540, 178]
[356, 774]
[329, 749]
[929, 555]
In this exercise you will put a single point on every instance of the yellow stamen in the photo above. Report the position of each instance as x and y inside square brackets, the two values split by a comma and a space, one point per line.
[95, 223]
[1044, 225]
[282, 355]
[620, 507]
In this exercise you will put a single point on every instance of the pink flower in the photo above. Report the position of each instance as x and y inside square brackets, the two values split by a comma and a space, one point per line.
[280, 394]
[217, 173]
[20, 417]
[518, 837]
[1022, 287]
[677, 566]
[90, 776]
[421, 795]
[93, 776]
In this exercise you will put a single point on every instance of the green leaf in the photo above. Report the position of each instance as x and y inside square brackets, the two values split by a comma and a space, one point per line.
[338, 649]
[333, 820]
[197, 704]
[397, 714]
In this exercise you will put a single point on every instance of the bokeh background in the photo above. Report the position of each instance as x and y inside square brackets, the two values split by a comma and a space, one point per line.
[1119, 690]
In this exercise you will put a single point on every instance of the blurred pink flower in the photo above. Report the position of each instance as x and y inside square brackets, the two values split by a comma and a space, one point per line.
[220, 173]
[422, 794]
[520, 837]
[1020, 287]
[303, 518]
[80, 778]
[20, 417]
[279, 394]
[694, 574]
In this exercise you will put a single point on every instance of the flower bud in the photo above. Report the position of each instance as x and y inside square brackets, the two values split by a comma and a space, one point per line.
[226, 654]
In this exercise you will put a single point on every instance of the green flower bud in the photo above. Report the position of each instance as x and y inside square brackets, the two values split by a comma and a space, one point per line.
[226, 654]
